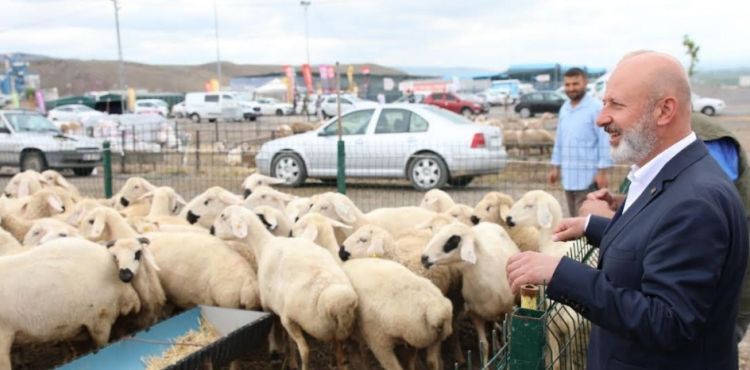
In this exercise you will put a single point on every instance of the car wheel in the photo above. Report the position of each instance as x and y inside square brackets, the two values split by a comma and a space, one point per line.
[33, 161]
[709, 111]
[466, 111]
[525, 112]
[195, 118]
[290, 168]
[279, 112]
[427, 171]
[85, 171]
[460, 181]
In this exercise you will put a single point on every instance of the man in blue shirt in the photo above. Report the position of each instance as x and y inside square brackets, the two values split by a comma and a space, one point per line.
[581, 153]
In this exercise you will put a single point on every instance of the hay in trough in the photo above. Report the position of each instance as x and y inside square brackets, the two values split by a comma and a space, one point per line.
[183, 346]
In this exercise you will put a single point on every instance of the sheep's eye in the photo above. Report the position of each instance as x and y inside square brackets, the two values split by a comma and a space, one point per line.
[91, 221]
[489, 207]
[262, 197]
[138, 255]
[205, 203]
[363, 240]
[528, 206]
[135, 187]
[37, 232]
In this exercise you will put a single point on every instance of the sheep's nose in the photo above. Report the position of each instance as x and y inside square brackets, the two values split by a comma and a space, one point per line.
[212, 230]
[509, 222]
[62, 208]
[426, 262]
[124, 202]
[247, 193]
[474, 220]
[343, 254]
[126, 275]
[192, 217]
[62, 235]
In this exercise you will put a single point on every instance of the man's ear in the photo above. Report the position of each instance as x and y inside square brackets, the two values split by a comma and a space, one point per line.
[666, 110]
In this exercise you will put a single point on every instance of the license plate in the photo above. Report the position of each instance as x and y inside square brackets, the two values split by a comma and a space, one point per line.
[91, 157]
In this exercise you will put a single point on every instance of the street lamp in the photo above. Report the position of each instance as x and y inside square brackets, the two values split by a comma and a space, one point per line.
[305, 4]
[218, 56]
[121, 68]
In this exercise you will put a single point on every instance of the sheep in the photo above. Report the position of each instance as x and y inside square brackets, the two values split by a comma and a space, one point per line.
[133, 189]
[298, 207]
[9, 244]
[340, 208]
[266, 196]
[437, 200]
[234, 156]
[494, 207]
[46, 229]
[256, 180]
[299, 282]
[66, 273]
[384, 321]
[24, 184]
[204, 208]
[56, 179]
[481, 253]
[103, 224]
[283, 131]
[320, 230]
[164, 202]
[165, 205]
[461, 213]
[44, 203]
[539, 210]
[16, 226]
[275, 220]
[73, 216]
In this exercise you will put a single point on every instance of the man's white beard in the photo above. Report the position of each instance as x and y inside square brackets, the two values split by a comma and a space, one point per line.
[635, 145]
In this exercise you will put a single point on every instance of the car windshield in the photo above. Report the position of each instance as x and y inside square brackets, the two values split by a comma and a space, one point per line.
[448, 115]
[26, 122]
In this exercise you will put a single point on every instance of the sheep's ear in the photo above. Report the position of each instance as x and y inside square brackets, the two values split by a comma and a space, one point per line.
[335, 223]
[149, 186]
[468, 250]
[376, 247]
[543, 216]
[75, 217]
[149, 258]
[284, 197]
[23, 188]
[272, 221]
[62, 182]
[179, 199]
[239, 227]
[273, 180]
[100, 222]
[229, 198]
[144, 240]
[55, 203]
[343, 211]
[147, 195]
[310, 233]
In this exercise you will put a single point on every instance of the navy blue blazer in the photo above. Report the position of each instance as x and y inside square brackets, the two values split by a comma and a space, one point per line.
[666, 291]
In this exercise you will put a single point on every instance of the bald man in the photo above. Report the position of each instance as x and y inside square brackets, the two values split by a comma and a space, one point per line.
[666, 289]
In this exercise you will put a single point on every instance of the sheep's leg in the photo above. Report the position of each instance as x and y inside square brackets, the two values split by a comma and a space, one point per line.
[434, 362]
[6, 342]
[383, 351]
[411, 357]
[341, 361]
[484, 345]
[100, 330]
[296, 334]
[275, 339]
[359, 354]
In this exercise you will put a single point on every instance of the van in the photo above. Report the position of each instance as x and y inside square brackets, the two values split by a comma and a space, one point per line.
[510, 88]
[212, 106]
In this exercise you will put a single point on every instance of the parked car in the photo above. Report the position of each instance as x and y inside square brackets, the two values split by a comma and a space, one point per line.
[72, 113]
[458, 103]
[272, 106]
[418, 97]
[30, 141]
[495, 97]
[348, 102]
[425, 144]
[212, 106]
[156, 106]
[707, 106]
[539, 102]
[179, 110]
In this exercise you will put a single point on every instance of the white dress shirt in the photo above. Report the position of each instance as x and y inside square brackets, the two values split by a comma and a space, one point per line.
[640, 177]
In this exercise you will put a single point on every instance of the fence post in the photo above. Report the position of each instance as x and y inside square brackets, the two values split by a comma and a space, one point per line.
[107, 164]
[122, 154]
[197, 151]
[527, 340]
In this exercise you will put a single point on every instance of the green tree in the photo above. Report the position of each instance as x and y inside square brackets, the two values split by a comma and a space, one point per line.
[692, 52]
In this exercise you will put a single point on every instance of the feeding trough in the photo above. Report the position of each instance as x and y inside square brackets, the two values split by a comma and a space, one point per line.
[237, 331]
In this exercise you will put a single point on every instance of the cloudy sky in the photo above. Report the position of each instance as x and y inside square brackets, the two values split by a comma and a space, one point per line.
[488, 34]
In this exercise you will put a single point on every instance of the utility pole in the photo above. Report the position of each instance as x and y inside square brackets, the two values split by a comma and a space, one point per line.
[305, 4]
[218, 56]
[121, 67]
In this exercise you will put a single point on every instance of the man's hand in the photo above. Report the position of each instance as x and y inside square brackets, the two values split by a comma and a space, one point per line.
[601, 179]
[530, 268]
[596, 207]
[569, 229]
[554, 175]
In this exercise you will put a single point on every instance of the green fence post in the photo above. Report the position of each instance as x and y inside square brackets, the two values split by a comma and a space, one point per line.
[107, 164]
[341, 167]
[527, 339]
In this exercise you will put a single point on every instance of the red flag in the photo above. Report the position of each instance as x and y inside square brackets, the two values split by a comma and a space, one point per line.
[307, 77]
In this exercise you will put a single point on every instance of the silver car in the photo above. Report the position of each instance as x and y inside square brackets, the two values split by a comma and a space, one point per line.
[30, 141]
[425, 144]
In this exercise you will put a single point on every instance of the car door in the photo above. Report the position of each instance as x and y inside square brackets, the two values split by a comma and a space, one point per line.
[395, 136]
[321, 152]
[553, 102]
[8, 148]
[452, 103]
[65, 114]
[536, 103]
[211, 108]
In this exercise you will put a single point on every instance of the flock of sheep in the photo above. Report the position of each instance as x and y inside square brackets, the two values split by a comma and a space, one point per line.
[377, 280]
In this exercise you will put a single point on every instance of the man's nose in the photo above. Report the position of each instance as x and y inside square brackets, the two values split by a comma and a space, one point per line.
[603, 119]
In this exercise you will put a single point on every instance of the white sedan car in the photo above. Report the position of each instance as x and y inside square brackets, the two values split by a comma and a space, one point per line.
[348, 102]
[707, 106]
[73, 113]
[271, 106]
[427, 145]
[154, 106]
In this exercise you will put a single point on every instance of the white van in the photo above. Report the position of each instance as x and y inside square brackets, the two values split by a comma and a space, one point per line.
[212, 106]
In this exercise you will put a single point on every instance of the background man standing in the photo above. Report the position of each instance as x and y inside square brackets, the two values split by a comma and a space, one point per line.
[581, 154]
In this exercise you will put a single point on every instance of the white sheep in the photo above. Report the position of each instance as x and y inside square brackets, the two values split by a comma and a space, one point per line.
[320, 230]
[494, 207]
[46, 229]
[66, 272]
[44, 203]
[299, 281]
[275, 220]
[539, 210]
[24, 184]
[298, 207]
[481, 253]
[74, 215]
[266, 196]
[461, 213]
[396, 306]
[56, 179]
[9, 244]
[204, 208]
[437, 200]
[256, 180]
[129, 194]
[103, 224]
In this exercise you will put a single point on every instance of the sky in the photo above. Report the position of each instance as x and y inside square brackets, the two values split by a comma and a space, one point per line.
[488, 34]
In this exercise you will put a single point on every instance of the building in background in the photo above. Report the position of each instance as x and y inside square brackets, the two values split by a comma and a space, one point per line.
[543, 76]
